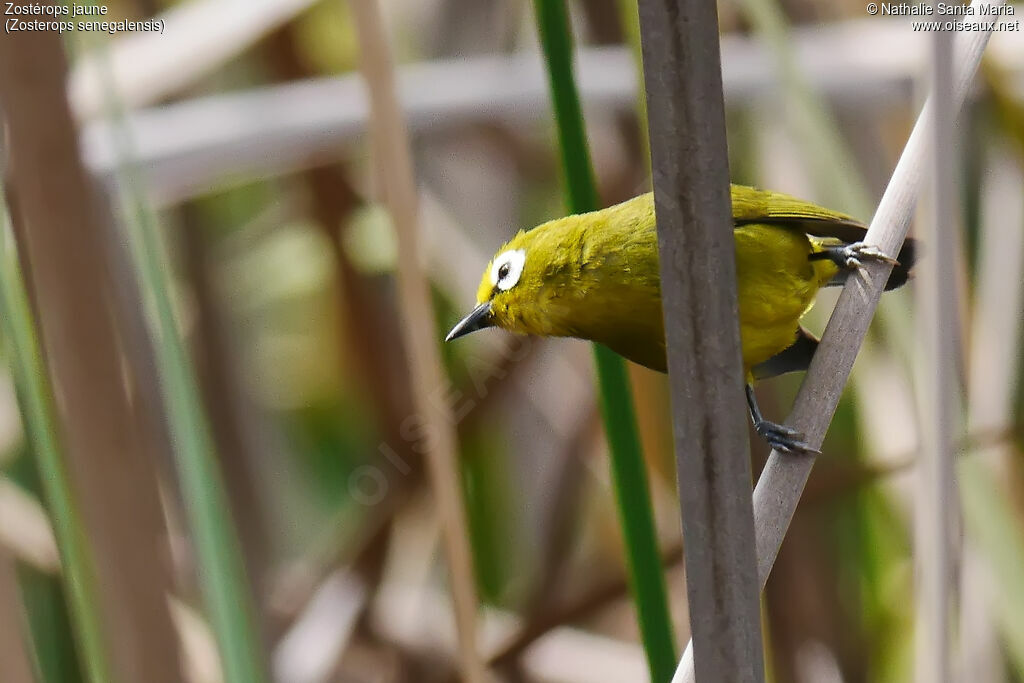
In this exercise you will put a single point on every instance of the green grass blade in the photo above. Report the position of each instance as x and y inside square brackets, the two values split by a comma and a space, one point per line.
[222, 575]
[36, 403]
[632, 493]
[556, 39]
[629, 474]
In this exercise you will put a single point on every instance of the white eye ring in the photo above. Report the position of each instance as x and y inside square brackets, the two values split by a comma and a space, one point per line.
[507, 268]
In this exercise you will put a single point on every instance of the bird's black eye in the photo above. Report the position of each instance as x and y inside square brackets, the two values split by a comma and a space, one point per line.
[503, 271]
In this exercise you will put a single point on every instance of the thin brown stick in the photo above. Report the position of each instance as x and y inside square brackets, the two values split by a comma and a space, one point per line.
[391, 145]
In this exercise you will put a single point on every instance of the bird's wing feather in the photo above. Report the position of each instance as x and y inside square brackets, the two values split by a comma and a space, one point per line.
[751, 205]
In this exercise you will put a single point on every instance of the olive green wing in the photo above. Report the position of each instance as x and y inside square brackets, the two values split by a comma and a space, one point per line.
[752, 205]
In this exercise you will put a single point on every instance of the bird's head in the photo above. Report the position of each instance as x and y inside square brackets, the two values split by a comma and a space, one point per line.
[510, 292]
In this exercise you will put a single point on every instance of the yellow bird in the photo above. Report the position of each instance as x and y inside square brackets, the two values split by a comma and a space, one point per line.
[595, 276]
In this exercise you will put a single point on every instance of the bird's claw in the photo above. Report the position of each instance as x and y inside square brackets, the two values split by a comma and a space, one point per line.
[784, 439]
[855, 254]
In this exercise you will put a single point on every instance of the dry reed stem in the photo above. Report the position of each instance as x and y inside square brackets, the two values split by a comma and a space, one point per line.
[393, 157]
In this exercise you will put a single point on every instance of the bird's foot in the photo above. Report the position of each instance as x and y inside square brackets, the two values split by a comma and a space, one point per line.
[784, 439]
[854, 255]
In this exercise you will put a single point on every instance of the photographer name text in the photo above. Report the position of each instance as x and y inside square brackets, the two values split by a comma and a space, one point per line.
[942, 9]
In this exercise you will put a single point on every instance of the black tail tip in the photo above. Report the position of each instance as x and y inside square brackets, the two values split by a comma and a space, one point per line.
[903, 271]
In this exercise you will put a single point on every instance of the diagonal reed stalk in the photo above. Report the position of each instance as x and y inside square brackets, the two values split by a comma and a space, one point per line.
[36, 404]
[629, 473]
[783, 478]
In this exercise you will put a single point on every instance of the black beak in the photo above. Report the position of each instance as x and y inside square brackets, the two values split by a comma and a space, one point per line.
[478, 319]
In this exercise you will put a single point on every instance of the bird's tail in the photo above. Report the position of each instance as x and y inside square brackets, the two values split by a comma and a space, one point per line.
[901, 272]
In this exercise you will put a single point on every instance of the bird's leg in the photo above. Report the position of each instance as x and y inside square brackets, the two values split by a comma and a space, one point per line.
[779, 437]
[852, 255]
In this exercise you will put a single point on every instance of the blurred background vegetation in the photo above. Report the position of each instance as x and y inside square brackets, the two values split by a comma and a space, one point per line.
[232, 155]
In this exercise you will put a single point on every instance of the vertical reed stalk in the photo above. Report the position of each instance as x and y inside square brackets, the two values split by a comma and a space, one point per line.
[686, 115]
[936, 499]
